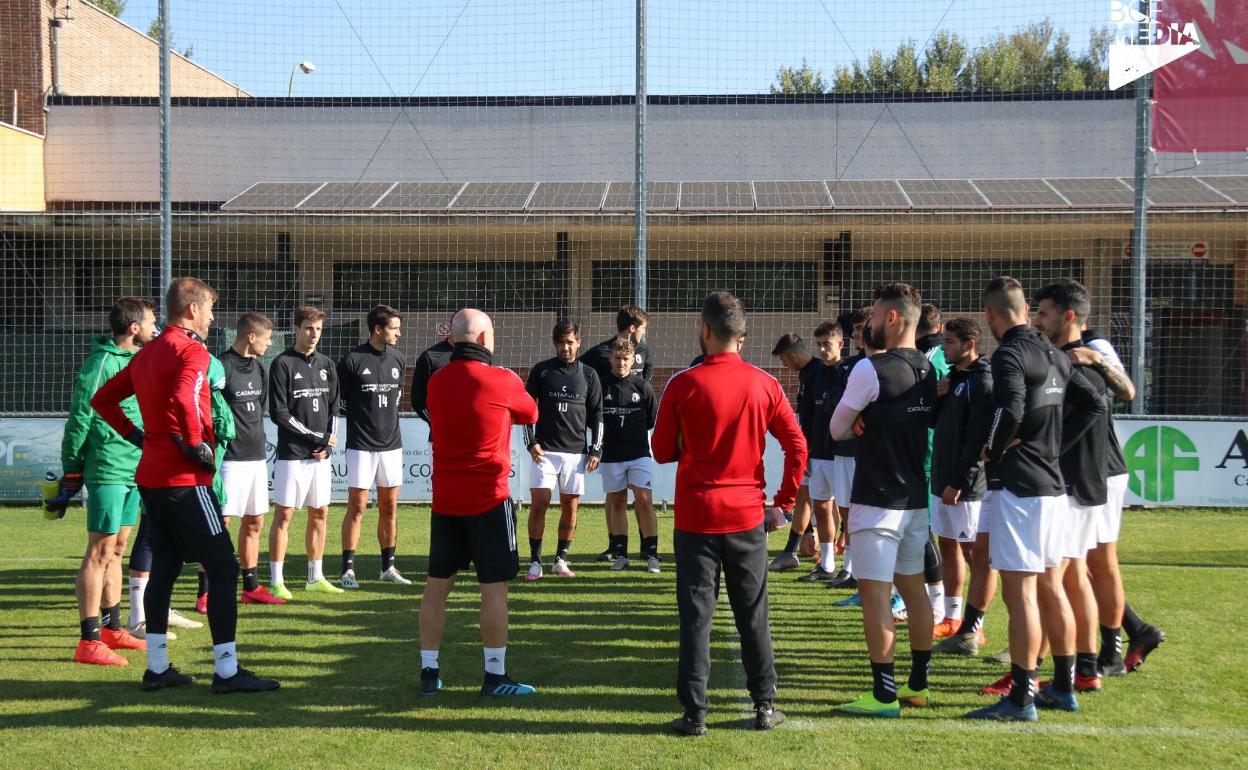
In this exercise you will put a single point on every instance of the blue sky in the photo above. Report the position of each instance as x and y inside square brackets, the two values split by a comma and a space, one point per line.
[549, 47]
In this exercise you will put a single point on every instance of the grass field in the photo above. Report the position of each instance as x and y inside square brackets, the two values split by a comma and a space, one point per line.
[601, 648]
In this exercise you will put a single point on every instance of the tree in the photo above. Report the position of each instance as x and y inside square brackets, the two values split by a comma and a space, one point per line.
[153, 31]
[115, 7]
[943, 62]
[802, 80]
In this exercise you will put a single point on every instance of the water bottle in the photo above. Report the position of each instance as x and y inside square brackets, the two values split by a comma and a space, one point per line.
[51, 490]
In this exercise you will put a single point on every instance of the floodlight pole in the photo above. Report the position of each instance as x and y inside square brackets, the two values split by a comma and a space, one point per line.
[166, 206]
[1139, 230]
[641, 197]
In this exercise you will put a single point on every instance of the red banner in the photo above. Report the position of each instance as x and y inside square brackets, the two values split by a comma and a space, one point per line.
[1202, 99]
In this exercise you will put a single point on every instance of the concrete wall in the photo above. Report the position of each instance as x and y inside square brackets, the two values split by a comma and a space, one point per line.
[21, 170]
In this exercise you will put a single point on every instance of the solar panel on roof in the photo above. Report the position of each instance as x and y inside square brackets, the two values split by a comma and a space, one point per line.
[660, 196]
[867, 194]
[271, 196]
[566, 196]
[784, 196]
[941, 193]
[1094, 192]
[419, 196]
[494, 195]
[340, 196]
[1233, 187]
[1019, 193]
[731, 196]
[1182, 191]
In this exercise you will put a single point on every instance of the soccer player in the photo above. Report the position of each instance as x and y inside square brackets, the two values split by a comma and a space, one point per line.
[94, 454]
[370, 379]
[890, 397]
[629, 409]
[429, 361]
[928, 341]
[713, 421]
[244, 472]
[471, 407]
[1061, 310]
[1026, 503]
[794, 355]
[303, 403]
[852, 322]
[168, 377]
[823, 392]
[630, 323]
[569, 399]
[963, 417]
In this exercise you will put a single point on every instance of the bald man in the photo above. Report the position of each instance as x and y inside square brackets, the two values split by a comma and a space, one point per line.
[472, 406]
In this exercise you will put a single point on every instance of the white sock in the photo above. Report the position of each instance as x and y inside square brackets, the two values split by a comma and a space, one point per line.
[314, 570]
[936, 594]
[275, 573]
[827, 556]
[428, 658]
[137, 586]
[953, 607]
[225, 659]
[157, 653]
[496, 660]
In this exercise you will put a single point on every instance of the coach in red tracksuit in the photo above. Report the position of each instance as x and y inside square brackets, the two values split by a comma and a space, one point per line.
[472, 406]
[169, 378]
[713, 420]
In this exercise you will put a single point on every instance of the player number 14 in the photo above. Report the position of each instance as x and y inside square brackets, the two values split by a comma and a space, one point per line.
[383, 400]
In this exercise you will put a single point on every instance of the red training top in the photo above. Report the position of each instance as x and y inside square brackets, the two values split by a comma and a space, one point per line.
[472, 406]
[169, 377]
[714, 418]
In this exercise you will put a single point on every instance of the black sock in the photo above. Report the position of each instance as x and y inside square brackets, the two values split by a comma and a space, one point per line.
[203, 584]
[1111, 645]
[920, 667]
[615, 548]
[884, 687]
[90, 629]
[250, 581]
[791, 545]
[110, 617]
[1133, 624]
[348, 560]
[972, 620]
[1039, 662]
[810, 528]
[1020, 686]
[387, 558]
[650, 547]
[1063, 673]
[1085, 663]
[621, 545]
[535, 550]
[561, 549]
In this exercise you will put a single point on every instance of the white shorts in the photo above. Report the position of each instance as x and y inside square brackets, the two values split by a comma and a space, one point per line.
[984, 525]
[1080, 535]
[368, 469]
[1109, 523]
[246, 484]
[301, 483]
[618, 477]
[884, 542]
[1026, 532]
[843, 480]
[562, 472]
[959, 521]
[823, 480]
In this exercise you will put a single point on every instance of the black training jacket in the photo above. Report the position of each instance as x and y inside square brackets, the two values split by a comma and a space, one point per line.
[963, 417]
[1085, 443]
[629, 409]
[599, 359]
[569, 402]
[431, 360]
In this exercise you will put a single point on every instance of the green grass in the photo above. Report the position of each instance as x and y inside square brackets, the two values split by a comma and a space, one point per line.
[601, 648]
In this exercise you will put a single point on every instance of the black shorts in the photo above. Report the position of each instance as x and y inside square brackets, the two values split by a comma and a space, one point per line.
[186, 521]
[487, 540]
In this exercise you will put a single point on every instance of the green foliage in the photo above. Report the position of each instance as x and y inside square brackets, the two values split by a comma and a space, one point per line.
[115, 7]
[153, 31]
[802, 80]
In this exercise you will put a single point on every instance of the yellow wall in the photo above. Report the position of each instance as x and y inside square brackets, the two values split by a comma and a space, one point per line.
[21, 170]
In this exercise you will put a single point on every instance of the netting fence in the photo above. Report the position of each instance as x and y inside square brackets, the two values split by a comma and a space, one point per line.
[437, 155]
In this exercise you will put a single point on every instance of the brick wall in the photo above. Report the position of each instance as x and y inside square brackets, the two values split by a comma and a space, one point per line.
[20, 56]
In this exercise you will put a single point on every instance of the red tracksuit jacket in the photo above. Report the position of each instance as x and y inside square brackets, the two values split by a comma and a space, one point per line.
[722, 410]
[169, 377]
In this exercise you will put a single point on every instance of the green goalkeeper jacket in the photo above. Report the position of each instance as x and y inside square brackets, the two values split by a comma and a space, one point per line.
[89, 446]
[222, 421]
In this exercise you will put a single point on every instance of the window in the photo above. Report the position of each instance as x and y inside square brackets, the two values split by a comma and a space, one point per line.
[496, 285]
[955, 286]
[681, 285]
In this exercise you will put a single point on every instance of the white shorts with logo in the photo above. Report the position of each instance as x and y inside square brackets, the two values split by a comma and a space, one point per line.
[884, 542]
[843, 480]
[959, 521]
[1026, 532]
[618, 477]
[246, 484]
[823, 480]
[1109, 524]
[301, 483]
[1081, 528]
[380, 469]
[562, 472]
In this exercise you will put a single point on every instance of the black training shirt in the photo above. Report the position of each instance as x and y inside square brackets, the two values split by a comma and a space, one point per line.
[844, 447]
[599, 358]
[1085, 443]
[246, 391]
[431, 360]
[569, 402]
[371, 383]
[303, 403]
[629, 410]
[825, 387]
[963, 418]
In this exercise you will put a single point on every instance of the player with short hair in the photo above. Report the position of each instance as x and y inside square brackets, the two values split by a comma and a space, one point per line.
[244, 472]
[795, 355]
[95, 455]
[569, 399]
[928, 341]
[852, 323]
[430, 360]
[303, 403]
[370, 379]
[629, 409]
[888, 403]
[963, 417]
